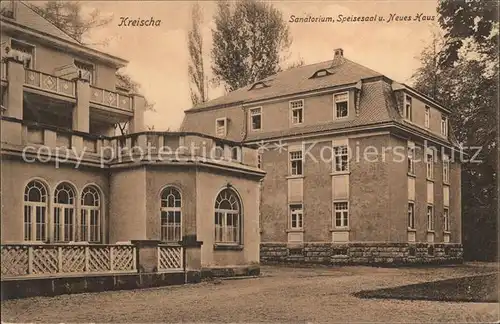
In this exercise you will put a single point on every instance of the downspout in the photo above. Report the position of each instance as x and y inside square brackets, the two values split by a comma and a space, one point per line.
[245, 123]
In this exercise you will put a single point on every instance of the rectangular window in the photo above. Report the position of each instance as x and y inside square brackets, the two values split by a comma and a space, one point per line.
[218, 151]
[296, 216]
[446, 169]
[341, 214]
[170, 224]
[220, 127]
[85, 71]
[295, 162]
[8, 9]
[256, 118]
[444, 126]
[430, 218]
[89, 227]
[341, 102]
[429, 162]
[341, 158]
[236, 154]
[23, 52]
[427, 116]
[35, 222]
[227, 227]
[446, 220]
[411, 158]
[408, 108]
[297, 111]
[411, 215]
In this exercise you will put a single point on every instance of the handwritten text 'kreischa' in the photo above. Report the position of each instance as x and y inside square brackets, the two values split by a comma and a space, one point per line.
[374, 18]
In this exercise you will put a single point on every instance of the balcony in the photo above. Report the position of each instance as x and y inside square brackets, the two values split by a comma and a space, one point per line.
[110, 98]
[49, 83]
[65, 89]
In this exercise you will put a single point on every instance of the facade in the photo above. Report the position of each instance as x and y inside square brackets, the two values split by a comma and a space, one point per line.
[76, 199]
[359, 168]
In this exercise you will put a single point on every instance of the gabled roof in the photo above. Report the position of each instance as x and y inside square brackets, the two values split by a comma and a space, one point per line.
[31, 23]
[296, 80]
[29, 18]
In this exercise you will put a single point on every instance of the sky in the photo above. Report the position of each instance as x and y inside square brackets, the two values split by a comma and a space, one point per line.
[158, 56]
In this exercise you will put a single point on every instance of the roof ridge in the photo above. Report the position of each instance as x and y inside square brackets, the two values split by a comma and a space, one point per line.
[363, 66]
[29, 6]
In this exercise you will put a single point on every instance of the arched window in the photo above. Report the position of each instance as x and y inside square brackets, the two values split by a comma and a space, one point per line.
[90, 217]
[35, 212]
[170, 215]
[227, 217]
[64, 213]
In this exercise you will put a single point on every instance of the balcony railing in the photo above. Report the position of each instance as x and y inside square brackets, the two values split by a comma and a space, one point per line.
[157, 146]
[110, 98]
[40, 260]
[49, 82]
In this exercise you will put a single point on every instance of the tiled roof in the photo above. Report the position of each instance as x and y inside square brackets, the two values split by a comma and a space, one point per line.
[297, 80]
[27, 17]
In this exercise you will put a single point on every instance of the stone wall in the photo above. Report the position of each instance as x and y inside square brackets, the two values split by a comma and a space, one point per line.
[361, 253]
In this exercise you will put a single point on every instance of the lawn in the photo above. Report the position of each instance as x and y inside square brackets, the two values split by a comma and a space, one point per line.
[279, 295]
[480, 288]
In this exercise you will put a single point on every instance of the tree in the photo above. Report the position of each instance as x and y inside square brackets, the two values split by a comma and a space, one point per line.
[300, 62]
[68, 16]
[196, 70]
[465, 22]
[467, 82]
[248, 41]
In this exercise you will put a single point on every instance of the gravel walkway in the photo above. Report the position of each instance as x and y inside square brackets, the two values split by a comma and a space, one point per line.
[279, 295]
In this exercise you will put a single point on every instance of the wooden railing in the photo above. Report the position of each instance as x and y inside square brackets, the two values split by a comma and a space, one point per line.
[49, 82]
[41, 260]
[169, 258]
[110, 98]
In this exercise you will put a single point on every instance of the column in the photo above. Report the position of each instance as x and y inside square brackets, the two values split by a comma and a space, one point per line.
[192, 258]
[11, 131]
[136, 123]
[81, 112]
[146, 255]
[14, 98]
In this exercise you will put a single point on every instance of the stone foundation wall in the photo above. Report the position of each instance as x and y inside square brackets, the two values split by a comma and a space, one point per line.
[31, 287]
[235, 271]
[361, 253]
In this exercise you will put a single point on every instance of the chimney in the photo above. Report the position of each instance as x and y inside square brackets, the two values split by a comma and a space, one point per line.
[338, 58]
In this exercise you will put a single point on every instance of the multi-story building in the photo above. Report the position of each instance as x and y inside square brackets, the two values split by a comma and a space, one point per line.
[359, 168]
[72, 190]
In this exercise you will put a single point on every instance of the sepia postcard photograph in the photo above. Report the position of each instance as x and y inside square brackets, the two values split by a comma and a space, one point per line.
[249, 161]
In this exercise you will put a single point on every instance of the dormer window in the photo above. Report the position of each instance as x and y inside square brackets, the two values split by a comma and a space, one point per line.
[444, 126]
[297, 111]
[85, 71]
[221, 127]
[408, 108]
[259, 85]
[256, 118]
[341, 105]
[321, 73]
[23, 52]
